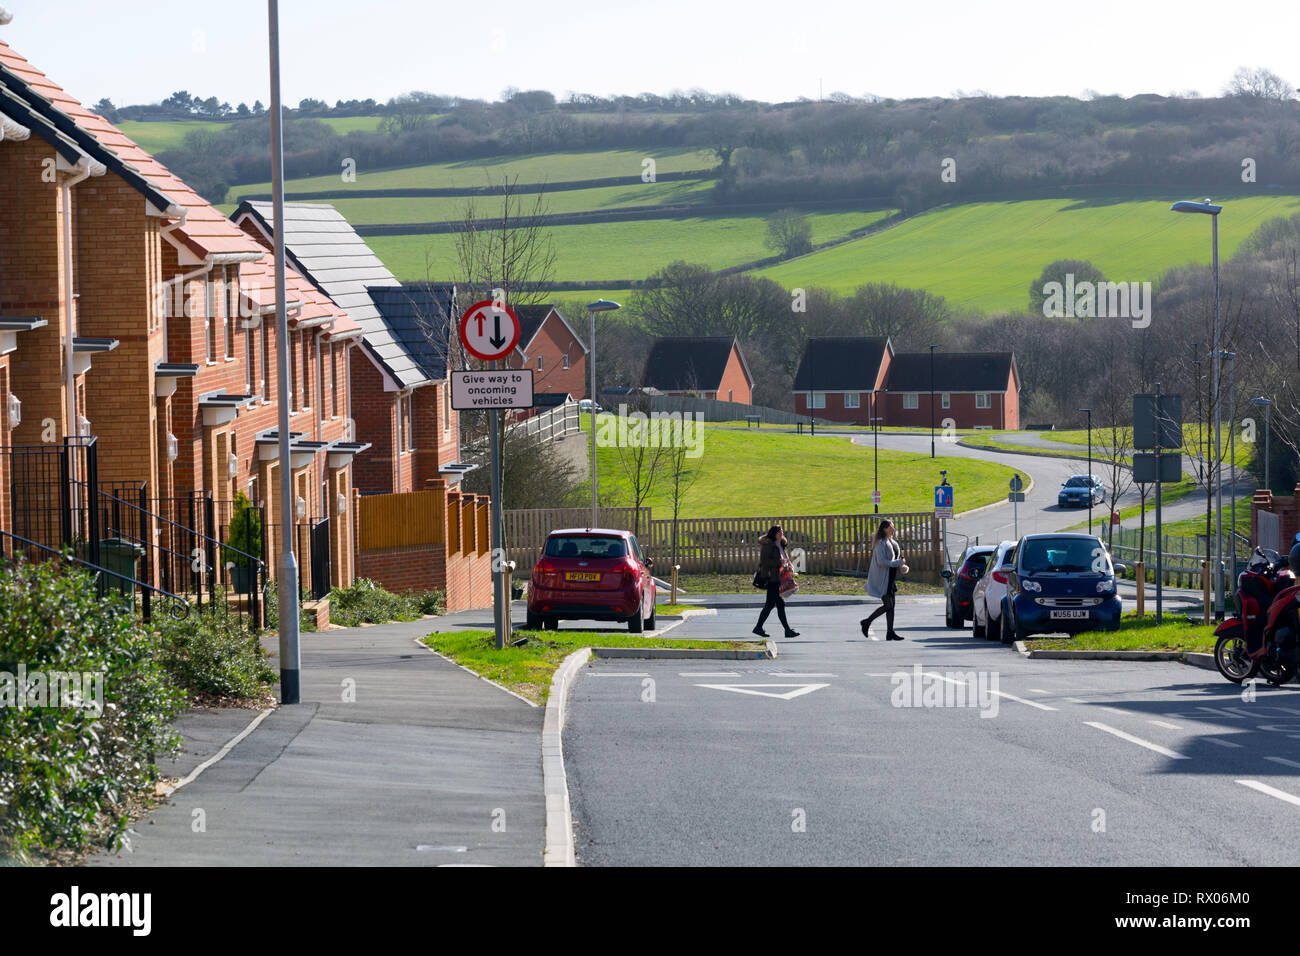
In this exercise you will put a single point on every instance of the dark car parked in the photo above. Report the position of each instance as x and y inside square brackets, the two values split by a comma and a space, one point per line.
[958, 607]
[1081, 491]
[1061, 583]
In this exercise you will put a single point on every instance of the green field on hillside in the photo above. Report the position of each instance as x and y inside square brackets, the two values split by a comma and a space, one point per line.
[452, 208]
[155, 137]
[351, 124]
[756, 473]
[985, 255]
[537, 168]
[624, 250]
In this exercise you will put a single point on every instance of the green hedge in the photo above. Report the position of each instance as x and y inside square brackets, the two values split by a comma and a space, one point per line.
[366, 602]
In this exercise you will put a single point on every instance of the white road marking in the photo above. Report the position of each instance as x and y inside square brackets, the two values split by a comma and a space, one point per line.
[879, 674]
[795, 674]
[1239, 712]
[1284, 762]
[1165, 751]
[707, 674]
[1116, 710]
[618, 675]
[1161, 723]
[1076, 700]
[1035, 690]
[1271, 791]
[1220, 713]
[1222, 743]
[799, 689]
[998, 693]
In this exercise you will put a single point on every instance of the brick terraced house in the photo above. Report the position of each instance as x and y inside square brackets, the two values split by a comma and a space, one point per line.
[550, 347]
[134, 312]
[699, 365]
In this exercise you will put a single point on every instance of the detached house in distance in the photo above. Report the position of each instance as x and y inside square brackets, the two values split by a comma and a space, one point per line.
[550, 347]
[839, 375]
[398, 376]
[702, 366]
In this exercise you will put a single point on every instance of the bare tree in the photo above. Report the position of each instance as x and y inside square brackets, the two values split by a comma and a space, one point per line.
[1259, 84]
[642, 455]
[789, 233]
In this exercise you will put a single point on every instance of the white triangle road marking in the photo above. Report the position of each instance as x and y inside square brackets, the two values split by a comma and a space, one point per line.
[799, 689]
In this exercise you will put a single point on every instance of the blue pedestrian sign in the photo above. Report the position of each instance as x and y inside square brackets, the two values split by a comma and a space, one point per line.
[943, 496]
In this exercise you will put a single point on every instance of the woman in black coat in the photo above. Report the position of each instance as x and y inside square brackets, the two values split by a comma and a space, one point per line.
[772, 558]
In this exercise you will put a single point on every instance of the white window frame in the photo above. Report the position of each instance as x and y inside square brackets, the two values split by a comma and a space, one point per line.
[446, 408]
[566, 361]
[983, 400]
[250, 360]
[334, 382]
[539, 363]
[817, 400]
[209, 331]
[852, 399]
[293, 375]
[264, 384]
[947, 400]
[232, 332]
[911, 401]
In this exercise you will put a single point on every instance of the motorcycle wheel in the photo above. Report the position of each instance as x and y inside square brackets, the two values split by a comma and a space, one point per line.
[1230, 658]
[1276, 674]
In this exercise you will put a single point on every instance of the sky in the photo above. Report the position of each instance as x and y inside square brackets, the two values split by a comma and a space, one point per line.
[141, 51]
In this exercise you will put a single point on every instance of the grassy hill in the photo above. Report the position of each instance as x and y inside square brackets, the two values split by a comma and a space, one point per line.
[540, 168]
[985, 255]
[626, 250]
[155, 137]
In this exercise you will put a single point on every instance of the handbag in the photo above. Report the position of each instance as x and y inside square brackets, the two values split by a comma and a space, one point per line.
[788, 583]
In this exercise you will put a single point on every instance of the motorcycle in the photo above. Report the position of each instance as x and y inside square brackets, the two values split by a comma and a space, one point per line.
[1262, 637]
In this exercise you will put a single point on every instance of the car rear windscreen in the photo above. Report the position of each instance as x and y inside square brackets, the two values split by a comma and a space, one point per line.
[585, 546]
[976, 563]
[1062, 554]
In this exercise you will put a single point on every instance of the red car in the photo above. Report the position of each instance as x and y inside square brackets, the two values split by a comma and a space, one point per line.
[592, 574]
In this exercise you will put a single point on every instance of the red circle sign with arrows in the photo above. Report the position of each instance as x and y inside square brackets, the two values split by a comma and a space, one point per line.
[489, 330]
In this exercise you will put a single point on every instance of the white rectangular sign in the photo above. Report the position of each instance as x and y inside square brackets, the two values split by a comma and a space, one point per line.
[489, 388]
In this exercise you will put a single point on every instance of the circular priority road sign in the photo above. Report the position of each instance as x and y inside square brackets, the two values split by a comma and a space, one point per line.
[489, 330]
[1016, 483]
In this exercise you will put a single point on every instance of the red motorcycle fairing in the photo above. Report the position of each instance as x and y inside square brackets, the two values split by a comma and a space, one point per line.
[1229, 625]
[1283, 603]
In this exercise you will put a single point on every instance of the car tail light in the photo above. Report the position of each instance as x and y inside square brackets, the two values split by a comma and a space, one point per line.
[547, 574]
[1000, 577]
[630, 571]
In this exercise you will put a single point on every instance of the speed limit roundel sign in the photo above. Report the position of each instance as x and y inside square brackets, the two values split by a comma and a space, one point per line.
[489, 330]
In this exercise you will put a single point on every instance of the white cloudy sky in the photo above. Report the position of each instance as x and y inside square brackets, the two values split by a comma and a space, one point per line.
[139, 51]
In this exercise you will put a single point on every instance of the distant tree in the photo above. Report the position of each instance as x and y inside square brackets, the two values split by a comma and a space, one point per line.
[1057, 271]
[242, 111]
[258, 108]
[106, 109]
[909, 318]
[1260, 84]
[789, 233]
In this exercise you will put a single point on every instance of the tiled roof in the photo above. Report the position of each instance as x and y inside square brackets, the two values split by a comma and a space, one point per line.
[206, 231]
[840, 363]
[329, 253]
[419, 316]
[953, 371]
[531, 319]
[689, 362]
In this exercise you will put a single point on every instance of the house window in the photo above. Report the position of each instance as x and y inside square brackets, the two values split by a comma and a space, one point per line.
[264, 386]
[728, 394]
[910, 400]
[209, 325]
[947, 400]
[566, 361]
[293, 374]
[446, 408]
[404, 423]
[853, 400]
[231, 332]
[320, 379]
[334, 383]
[539, 363]
[250, 361]
[818, 400]
[306, 368]
[982, 400]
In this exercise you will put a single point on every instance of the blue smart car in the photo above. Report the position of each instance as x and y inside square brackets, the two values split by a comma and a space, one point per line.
[1061, 583]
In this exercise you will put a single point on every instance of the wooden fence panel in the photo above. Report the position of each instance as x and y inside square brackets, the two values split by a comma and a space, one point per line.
[401, 520]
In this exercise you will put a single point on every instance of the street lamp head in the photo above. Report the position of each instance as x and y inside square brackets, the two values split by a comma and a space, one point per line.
[603, 305]
[1261, 401]
[1206, 208]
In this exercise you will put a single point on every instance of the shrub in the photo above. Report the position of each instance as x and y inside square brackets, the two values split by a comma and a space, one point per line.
[367, 602]
[66, 771]
[305, 620]
[216, 652]
[244, 540]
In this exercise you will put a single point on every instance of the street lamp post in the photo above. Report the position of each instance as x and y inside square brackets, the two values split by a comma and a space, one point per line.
[1089, 411]
[287, 576]
[875, 427]
[1232, 462]
[1207, 208]
[600, 305]
[932, 348]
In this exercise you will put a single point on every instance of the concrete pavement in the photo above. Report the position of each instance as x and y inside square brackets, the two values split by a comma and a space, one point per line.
[395, 757]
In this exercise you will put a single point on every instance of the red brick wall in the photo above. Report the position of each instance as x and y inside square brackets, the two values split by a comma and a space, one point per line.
[734, 386]
[375, 471]
[835, 409]
[962, 410]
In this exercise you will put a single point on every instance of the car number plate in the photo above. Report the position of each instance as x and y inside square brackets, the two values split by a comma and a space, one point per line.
[1070, 615]
[582, 575]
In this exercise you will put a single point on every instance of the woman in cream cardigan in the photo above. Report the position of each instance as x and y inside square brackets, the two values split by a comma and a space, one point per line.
[886, 560]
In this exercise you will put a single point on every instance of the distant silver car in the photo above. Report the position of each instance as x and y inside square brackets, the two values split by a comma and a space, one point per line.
[989, 592]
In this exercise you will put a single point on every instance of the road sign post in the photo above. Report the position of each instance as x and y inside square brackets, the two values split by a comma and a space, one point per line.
[489, 330]
[943, 498]
[1016, 497]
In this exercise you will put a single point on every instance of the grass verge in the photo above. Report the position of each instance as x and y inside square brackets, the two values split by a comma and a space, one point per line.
[1136, 634]
[527, 668]
[676, 608]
